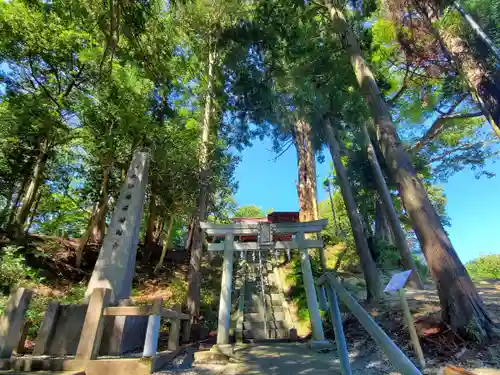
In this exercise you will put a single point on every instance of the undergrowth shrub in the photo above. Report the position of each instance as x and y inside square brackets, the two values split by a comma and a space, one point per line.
[390, 259]
[485, 267]
[13, 269]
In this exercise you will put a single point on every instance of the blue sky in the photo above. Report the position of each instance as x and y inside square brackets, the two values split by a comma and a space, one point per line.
[473, 205]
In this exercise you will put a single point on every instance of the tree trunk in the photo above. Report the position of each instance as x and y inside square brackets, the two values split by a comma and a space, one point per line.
[31, 190]
[15, 205]
[481, 83]
[462, 308]
[193, 299]
[383, 229]
[373, 286]
[306, 182]
[8, 205]
[189, 236]
[306, 166]
[33, 211]
[478, 31]
[151, 229]
[97, 219]
[165, 244]
[389, 211]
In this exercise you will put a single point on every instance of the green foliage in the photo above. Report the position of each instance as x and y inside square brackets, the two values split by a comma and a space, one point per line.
[250, 210]
[297, 290]
[388, 255]
[13, 268]
[484, 267]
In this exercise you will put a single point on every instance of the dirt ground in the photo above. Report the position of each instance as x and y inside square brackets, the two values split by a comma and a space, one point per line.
[440, 345]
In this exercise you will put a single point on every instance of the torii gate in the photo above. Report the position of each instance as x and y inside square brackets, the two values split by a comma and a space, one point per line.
[264, 232]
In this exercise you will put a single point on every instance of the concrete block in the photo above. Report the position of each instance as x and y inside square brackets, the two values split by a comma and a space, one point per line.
[93, 326]
[12, 321]
[47, 329]
[175, 330]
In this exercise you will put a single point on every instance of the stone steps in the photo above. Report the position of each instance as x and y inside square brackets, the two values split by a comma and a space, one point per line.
[253, 319]
[260, 334]
[261, 325]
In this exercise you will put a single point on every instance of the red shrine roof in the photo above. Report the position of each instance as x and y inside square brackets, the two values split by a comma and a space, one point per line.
[275, 217]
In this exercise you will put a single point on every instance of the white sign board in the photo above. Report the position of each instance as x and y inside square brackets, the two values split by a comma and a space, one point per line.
[398, 281]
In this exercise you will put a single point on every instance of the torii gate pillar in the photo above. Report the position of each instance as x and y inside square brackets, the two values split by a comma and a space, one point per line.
[225, 292]
[309, 286]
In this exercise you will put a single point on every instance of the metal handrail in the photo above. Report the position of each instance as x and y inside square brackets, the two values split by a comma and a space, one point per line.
[391, 350]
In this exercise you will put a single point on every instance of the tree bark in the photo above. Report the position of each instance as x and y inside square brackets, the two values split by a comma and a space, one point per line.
[151, 229]
[383, 229]
[306, 182]
[193, 299]
[462, 308]
[306, 166]
[165, 244]
[389, 212]
[373, 286]
[189, 236]
[478, 31]
[483, 86]
[8, 205]
[31, 190]
[95, 230]
[33, 211]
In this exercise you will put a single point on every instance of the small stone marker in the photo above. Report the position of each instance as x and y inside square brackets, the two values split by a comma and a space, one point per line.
[397, 284]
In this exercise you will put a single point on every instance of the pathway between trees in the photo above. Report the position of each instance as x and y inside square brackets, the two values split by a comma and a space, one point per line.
[283, 359]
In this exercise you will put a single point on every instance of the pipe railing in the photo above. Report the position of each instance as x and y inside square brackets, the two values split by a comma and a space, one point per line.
[333, 289]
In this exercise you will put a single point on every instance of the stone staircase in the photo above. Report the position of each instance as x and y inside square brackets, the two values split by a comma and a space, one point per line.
[263, 320]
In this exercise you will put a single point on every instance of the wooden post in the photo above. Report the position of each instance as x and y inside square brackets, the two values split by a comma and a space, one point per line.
[153, 330]
[175, 329]
[90, 339]
[411, 327]
[47, 329]
[12, 321]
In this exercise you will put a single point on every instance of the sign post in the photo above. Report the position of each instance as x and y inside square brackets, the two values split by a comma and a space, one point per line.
[397, 284]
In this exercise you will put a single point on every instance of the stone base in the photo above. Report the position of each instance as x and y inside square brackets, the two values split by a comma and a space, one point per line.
[114, 366]
[320, 344]
[211, 357]
[226, 349]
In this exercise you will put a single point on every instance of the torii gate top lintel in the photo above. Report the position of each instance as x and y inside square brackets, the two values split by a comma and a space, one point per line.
[265, 239]
[254, 228]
